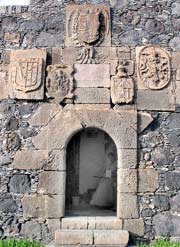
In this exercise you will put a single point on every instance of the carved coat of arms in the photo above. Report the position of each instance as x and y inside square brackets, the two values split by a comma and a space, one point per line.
[122, 87]
[26, 74]
[59, 83]
[154, 67]
[87, 25]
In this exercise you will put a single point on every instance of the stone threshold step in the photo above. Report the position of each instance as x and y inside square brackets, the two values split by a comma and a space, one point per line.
[92, 237]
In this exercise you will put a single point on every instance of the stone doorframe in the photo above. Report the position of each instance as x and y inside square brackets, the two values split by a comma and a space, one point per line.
[51, 142]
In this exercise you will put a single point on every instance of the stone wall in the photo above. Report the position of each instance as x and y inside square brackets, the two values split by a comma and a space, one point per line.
[22, 119]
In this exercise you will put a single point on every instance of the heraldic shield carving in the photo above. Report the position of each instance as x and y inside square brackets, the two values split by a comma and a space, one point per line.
[87, 25]
[122, 86]
[26, 74]
[154, 67]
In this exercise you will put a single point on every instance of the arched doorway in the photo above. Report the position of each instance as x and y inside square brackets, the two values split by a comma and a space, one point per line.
[91, 181]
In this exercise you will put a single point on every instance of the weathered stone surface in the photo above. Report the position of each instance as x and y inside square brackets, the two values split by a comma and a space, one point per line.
[52, 182]
[11, 142]
[127, 158]
[155, 100]
[74, 223]
[56, 160]
[5, 160]
[55, 206]
[44, 113]
[175, 203]
[19, 183]
[122, 86]
[175, 59]
[175, 43]
[111, 237]
[134, 226]
[53, 225]
[33, 206]
[161, 202]
[92, 75]
[162, 156]
[7, 204]
[59, 82]
[127, 206]
[166, 224]
[177, 91]
[148, 180]
[12, 38]
[41, 140]
[30, 159]
[92, 96]
[173, 181]
[108, 223]
[4, 85]
[127, 180]
[144, 119]
[74, 237]
[84, 25]
[31, 229]
[26, 74]
[178, 75]
[12, 123]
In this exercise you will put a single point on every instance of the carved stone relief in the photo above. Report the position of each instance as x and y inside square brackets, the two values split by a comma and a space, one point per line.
[87, 25]
[153, 67]
[26, 74]
[59, 83]
[122, 86]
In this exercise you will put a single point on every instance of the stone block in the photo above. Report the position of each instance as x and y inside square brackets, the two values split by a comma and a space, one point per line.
[127, 181]
[53, 225]
[129, 66]
[57, 56]
[127, 158]
[92, 96]
[20, 183]
[55, 206]
[12, 38]
[74, 237]
[43, 114]
[93, 28]
[177, 92]
[30, 159]
[31, 230]
[74, 223]
[108, 223]
[92, 75]
[178, 74]
[56, 160]
[127, 206]
[148, 180]
[65, 124]
[27, 74]
[111, 237]
[41, 140]
[155, 100]
[144, 119]
[33, 206]
[175, 203]
[52, 182]
[134, 227]
[91, 223]
[175, 60]
[3, 85]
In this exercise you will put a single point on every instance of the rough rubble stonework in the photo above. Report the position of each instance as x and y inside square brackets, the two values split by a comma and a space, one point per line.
[145, 125]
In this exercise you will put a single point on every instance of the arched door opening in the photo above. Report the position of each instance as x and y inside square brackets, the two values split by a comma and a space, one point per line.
[91, 182]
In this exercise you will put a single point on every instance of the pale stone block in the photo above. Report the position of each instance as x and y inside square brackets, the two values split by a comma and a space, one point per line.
[108, 223]
[155, 100]
[27, 74]
[3, 83]
[127, 158]
[55, 206]
[30, 159]
[122, 128]
[92, 75]
[52, 182]
[65, 124]
[127, 206]
[91, 223]
[74, 237]
[56, 160]
[57, 56]
[43, 114]
[53, 225]
[74, 223]
[175, 60]
[127, 181]
[41, 140]
[177, 92]
[148, 180]
[92, 96]
[96, 107]
[134, 226]
[178, 75]
[33, 206]
[12, 37]
[111, 237]
[144, 119]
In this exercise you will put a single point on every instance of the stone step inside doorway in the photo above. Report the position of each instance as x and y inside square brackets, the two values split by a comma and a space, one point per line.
[81, 237]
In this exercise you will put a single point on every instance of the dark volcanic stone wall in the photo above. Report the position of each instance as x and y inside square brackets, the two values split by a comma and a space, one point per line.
[42, 25]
